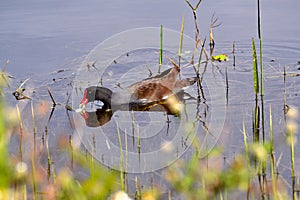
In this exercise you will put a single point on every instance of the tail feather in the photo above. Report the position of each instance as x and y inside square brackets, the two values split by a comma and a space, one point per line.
[185, 82]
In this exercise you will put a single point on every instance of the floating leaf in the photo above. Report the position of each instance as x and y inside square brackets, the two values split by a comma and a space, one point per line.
[220, 57]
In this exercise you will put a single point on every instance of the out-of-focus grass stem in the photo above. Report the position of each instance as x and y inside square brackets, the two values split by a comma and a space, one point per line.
[272, 159]
[34, 128]
[181, 41]
[121, 160]
[33, 177]
[21, 132]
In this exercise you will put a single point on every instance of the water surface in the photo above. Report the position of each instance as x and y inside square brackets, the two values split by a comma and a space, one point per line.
[41, 38]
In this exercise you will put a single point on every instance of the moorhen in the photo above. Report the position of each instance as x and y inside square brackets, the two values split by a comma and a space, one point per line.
[159, 90]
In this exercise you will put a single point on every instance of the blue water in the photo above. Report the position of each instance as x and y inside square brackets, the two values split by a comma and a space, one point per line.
[40, 36]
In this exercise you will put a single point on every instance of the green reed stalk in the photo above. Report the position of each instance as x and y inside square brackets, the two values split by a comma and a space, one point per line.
[261, 81]
[53, 173]
[260, 49]
[255, 71]
[285, 106]
[261, 69]
[48, 153]
[51, 96]
[292, 141]
[256, 91]
[139, 142]
[293, 165]
[181, 41]
[255, 121]
[72, 151]
[160, 48]
[19, 118]
[200, 57]
[227, 86]
[233, 54]
[126, 162]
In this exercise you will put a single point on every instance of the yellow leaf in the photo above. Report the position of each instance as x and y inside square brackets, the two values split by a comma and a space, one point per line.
[220, 57]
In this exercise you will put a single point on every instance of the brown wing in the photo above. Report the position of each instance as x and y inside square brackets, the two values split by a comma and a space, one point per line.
[151, 91]
[156, 94]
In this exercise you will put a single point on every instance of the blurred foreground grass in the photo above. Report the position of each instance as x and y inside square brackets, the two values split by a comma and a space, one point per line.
[207, 178]
[22, 180]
